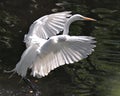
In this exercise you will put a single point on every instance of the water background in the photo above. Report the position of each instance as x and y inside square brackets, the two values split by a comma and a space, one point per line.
[98, 75]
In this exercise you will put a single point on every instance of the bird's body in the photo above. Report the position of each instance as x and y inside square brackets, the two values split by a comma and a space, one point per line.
[43, 55]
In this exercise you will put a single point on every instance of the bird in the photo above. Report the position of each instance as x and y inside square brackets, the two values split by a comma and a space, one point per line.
[43, 54]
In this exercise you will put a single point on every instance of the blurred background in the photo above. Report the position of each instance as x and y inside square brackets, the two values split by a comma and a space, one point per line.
[97, 75]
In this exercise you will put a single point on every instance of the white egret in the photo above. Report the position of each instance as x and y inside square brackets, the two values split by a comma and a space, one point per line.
[43, 55]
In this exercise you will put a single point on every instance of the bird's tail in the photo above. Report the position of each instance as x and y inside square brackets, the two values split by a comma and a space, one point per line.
[11, 71]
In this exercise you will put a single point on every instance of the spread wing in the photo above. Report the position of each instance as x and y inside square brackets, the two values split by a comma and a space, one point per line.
[60, 50]
[49, 25]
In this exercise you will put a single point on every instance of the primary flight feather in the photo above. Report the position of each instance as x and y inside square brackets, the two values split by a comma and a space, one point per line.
[47, 26]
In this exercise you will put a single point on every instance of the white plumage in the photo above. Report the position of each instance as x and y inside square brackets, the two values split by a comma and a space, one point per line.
[42, 55]
[60, 50]
[47, 26]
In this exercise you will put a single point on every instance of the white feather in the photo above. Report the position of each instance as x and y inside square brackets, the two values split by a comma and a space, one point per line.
[48, 25]
[60, 50]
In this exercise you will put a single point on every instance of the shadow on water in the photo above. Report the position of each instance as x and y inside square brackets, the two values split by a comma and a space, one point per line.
[98, 75]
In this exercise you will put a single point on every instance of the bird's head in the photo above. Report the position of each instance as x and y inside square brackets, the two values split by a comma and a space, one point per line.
[80, 17]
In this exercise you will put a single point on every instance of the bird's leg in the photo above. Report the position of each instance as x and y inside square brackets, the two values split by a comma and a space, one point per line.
[32, 86]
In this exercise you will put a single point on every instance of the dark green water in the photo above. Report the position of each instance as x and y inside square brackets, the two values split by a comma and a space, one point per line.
[98, 75]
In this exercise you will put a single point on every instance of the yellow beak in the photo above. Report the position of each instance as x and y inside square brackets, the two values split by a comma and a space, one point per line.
[89, 19]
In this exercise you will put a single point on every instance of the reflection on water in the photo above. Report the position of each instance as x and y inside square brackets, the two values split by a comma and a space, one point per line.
[97, 75]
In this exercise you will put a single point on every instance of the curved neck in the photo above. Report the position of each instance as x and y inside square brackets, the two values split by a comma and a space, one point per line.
[69, 21]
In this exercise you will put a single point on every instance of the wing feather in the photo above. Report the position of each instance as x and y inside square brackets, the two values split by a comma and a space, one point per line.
[60, 50]
[53, 22]
[53, 28]
[50, 33]
[56, 26]
[58, 23]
